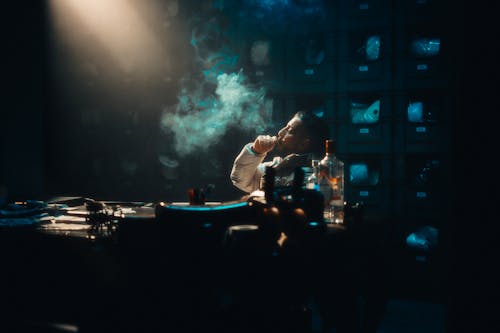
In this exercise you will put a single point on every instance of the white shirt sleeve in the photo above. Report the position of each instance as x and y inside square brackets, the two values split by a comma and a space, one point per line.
[248, 169]
[246, 173]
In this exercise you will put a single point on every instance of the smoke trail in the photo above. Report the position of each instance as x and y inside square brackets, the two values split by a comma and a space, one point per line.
[217, 97]
[199, 121]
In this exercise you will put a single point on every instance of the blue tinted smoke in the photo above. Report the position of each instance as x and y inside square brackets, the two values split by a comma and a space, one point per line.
[201, 118]
[215, 96]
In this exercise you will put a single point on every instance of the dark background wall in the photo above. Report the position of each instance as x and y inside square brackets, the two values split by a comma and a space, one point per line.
[23, 139]
[49, 146]
[90, 120]
[76, 125]
[85, 121]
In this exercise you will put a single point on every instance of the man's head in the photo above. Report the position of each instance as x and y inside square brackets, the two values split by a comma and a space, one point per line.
[304, 133]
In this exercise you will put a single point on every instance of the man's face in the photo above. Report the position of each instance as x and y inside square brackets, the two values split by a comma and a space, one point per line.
[291, 138]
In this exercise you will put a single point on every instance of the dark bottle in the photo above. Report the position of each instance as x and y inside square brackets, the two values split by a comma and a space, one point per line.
[268, 185]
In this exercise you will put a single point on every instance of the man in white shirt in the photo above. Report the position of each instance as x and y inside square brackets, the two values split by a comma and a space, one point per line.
[301, 140]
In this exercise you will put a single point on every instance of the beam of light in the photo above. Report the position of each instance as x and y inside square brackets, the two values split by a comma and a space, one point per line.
[118, 28]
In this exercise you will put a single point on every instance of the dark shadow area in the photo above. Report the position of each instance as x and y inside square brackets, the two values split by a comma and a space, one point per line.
[67, 131]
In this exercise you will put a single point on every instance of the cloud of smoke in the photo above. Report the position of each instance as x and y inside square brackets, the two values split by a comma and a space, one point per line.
[199, 121]
[215, 98]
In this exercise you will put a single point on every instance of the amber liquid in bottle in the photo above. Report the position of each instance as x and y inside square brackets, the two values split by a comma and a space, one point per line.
[331, 184]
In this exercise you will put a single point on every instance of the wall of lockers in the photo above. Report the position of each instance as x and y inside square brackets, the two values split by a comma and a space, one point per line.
[379, 72]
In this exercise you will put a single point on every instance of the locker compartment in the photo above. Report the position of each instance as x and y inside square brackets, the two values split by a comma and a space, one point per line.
[365, 71]
[424, 53]
[368, 52]
[320, 104]
[299, 16]
[264, 61]
[367, 170]
[424, 115]
[364, 13]
[424, 170]
[414, 11]
[425, 106]
[373, 134]
[376, 200]
[422, 133]
[365, 108]
[308, 58]
[365, 124]
[424, 185]
[416, 138]
[368, 179]
[423, 203]
[365, 59]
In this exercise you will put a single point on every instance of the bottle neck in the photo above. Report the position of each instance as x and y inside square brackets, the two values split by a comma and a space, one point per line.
[329, 147]
[329, 155]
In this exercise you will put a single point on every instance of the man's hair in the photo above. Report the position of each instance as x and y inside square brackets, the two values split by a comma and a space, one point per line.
[316, 129]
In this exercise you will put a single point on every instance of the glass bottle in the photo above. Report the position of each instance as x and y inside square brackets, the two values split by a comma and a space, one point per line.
[312, 180]
[331, 184]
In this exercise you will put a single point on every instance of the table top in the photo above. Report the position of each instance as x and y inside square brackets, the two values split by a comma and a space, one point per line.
[72, 216]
